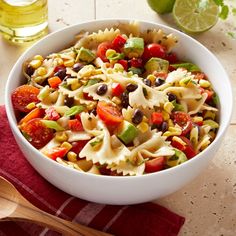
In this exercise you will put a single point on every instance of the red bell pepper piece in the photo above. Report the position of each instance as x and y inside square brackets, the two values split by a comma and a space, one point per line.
[117, 89]
[157, 118]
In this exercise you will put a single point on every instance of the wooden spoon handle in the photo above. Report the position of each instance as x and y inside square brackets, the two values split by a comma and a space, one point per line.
[27, 212]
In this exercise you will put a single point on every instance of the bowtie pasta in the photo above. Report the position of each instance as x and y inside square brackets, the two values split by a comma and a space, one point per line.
[117, 102]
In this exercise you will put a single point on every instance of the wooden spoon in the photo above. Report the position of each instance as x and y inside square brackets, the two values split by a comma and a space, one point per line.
[13, 206]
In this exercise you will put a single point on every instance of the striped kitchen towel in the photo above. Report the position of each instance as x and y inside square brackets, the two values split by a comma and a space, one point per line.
[136, 220]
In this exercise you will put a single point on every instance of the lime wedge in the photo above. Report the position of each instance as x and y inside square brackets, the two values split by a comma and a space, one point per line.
[195, 16]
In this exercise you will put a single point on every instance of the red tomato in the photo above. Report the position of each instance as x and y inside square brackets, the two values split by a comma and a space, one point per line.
[118, 42]
[102, 48]
[171, 57]
[183, 119]
[136, 62]
[109, 113]
[117, 89]
[124, 63]
[209, 95]
[55, 152]
[78, 146]
[187, 149]
[157, 118]
[87, 97]
[24, 95]
[37, 133]
[155, 165]
[75, 125]
[153, 50]
[52, 114]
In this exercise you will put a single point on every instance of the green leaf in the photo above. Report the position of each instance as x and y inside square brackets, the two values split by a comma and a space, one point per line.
[74, 110]
[187, 65]
[52, 125]
[224, 12]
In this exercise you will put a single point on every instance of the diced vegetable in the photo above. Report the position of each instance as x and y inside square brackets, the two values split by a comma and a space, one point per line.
[155, 165]
[134, 47]
[36, 113]
[156, 64]
[118, 42]
[157, 118]
[85, 55]
[52, 114]
[55, 152]
[75, 125]
[183, 120]
[127, 132]
[52, 125]
[54, 81]
[178, 158]
[74, 110]
[117, 89]
[124, 63]
[153, 50]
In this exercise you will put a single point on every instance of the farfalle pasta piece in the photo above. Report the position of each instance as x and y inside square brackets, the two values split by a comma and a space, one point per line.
[77, 135]
[177, 75]
[100, 149]
[91, 41]
[132, 28]
[127, 168]
[158, 36]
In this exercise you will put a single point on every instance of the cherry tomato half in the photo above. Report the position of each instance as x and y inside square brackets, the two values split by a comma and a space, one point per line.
[155, 165]
[183, 119]
[37, 133]
[55, 152]
[24, 95]
[102, 48]
[109, 114]
[187, 149]
[153, 50]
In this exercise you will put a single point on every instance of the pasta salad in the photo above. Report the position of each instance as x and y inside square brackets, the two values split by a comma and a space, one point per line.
[117, 102]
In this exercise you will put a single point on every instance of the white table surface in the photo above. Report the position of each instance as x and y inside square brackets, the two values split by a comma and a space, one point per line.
[209, 202]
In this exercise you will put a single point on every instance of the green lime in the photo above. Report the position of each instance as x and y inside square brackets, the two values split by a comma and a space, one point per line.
[195, 16]
[161, 6]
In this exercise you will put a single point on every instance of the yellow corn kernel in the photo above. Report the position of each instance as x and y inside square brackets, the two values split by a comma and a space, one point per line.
[69, 63]
[35, 63]
[61, 137]
[143, 127]
[66, 145]
[170, 123]
[41, 71]
[58, 61]
[109, 71]
[110, 52]
[173, 131]
[152, 78]
[165, 115]
[116, 100]
[204, 83]
[72, 156]
[38, 57]
[75, 86]
[197, 119]
[168, 107]
[91, 106]
[30, 106]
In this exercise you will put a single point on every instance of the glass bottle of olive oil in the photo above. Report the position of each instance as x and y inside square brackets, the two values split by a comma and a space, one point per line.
[23, 20]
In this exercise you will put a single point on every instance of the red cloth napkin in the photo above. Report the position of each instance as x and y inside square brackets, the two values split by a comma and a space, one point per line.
[136, 220]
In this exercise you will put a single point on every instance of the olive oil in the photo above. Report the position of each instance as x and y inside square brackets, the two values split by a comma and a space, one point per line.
[23, 20]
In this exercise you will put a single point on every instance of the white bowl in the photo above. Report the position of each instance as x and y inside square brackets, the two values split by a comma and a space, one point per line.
[112, 189]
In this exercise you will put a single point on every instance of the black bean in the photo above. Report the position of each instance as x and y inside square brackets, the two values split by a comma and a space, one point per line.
[29, 70]
[171, 97]
[164, 126]
[69, 101]
[125, 99]
[137, 116]
[148, 82]
[159, 82]
[77, 66]
[131, 87]
[61, 73]
[101, 89]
